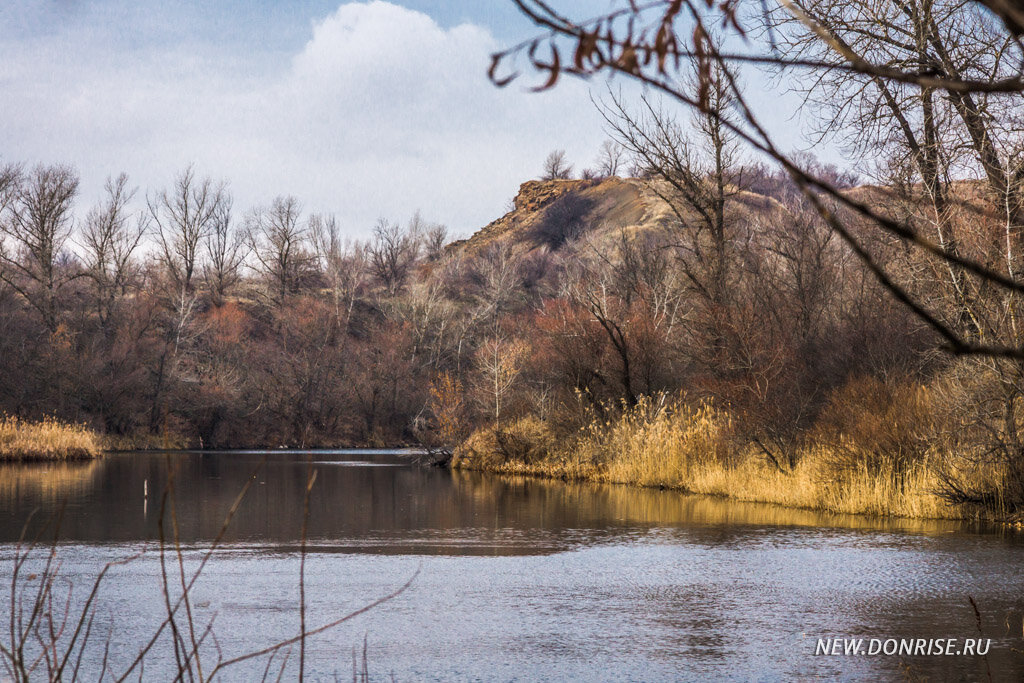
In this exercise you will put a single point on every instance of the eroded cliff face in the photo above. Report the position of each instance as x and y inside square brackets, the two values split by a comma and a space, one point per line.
[549, 213]
[598, 206]
[535, 194]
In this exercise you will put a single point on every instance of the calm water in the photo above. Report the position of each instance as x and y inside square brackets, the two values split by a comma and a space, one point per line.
[517, 579]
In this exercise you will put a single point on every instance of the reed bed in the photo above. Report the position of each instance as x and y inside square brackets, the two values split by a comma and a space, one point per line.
[696, 449]
[46, 440]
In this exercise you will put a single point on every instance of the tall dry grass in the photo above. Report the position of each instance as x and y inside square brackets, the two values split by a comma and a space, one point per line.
[696, 448]
[47, 439]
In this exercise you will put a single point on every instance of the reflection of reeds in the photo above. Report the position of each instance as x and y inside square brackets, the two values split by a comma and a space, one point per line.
[47, 481]
[47, 439]
[599, 502]
[139, 441]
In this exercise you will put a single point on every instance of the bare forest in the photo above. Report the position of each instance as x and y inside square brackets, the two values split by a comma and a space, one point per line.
[861, 320]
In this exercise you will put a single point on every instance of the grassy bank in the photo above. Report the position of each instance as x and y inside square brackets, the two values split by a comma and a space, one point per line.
[145, 442]
[696, 449]
[47, 439]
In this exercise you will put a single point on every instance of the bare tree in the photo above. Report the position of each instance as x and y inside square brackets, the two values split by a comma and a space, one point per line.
[433, 236]
[393, 252]
[499, 363]
[184, 216]
[695, 175]
[10, 176]
[556, 167]
[37, 223]
[950, 40]
[279, 243]
[592, 290]
[110, 237]
[918, 129]
[226, 251]
[611, 159]
[343, 264]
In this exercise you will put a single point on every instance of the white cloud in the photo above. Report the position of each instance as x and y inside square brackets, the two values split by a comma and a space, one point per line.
[381, 112]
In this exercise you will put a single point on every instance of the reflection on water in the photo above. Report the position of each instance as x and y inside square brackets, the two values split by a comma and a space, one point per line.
[521, 578]
[380, 502]
[593, 502]
[47, 483]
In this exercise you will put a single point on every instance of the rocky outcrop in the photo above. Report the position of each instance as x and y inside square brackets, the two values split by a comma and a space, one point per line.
[603, 210]
[607, 205]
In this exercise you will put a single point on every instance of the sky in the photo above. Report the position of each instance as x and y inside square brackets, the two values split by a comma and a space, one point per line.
[364, 110]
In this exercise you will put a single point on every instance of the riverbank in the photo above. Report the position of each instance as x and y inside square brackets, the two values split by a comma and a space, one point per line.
[46, 439]
[696, 449]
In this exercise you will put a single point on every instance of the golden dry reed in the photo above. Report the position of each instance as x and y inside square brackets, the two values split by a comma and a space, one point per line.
[695, 449]
[47, 439]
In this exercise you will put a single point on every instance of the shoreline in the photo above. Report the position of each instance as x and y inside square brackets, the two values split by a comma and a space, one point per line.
[593, 475]
[570, 475]
[697, 449]
[688, 450]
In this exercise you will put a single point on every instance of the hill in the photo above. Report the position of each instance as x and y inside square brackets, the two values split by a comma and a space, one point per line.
[553, 212]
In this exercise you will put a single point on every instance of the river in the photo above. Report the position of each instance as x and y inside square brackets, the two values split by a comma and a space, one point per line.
[511, 579]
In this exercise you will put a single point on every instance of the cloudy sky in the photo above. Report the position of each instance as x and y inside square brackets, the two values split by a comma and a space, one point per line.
[360, 109]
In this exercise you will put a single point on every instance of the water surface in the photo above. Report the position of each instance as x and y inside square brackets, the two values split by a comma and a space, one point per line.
[515, 579]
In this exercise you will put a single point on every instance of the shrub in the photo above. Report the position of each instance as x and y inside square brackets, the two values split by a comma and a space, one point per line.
[884, 427]
[564, 220]
[526, 440]
[982, 464]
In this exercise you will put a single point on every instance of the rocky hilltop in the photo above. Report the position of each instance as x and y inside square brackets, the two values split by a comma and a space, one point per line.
[552, 212]
[543, 207]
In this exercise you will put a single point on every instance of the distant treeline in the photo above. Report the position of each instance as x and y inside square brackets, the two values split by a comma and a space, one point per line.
[169, 320]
